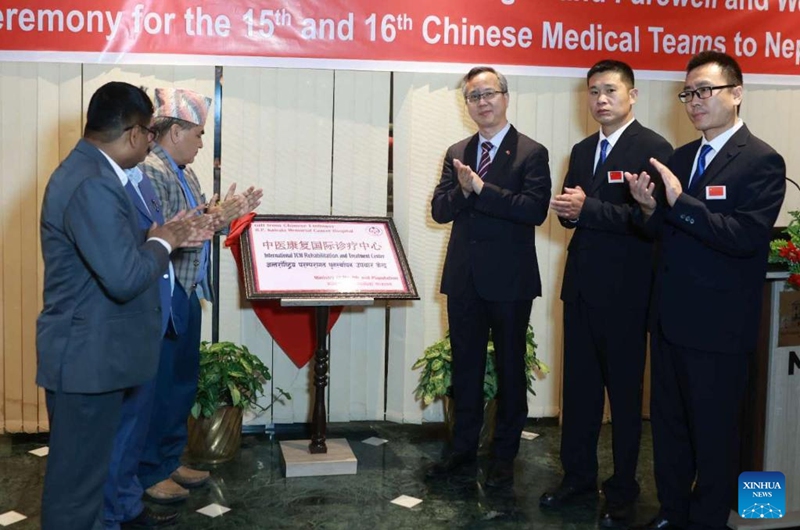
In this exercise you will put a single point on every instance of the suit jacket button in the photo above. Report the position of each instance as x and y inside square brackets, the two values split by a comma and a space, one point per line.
[196, 262]
[683, 217]
[166, 276]
[691, 220]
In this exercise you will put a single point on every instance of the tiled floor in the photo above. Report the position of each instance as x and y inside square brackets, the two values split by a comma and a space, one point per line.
[259, 496]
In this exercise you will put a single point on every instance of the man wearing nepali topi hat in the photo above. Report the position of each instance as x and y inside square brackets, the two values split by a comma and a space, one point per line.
[180, 118]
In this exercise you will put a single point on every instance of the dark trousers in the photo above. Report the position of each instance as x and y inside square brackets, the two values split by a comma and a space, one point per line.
[695, 409]
[122, 492]
[470, 320]
[604, 350]
[176, 387]
[82, 428]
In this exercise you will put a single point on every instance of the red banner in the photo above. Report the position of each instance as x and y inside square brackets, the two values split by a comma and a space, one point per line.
[523, 36]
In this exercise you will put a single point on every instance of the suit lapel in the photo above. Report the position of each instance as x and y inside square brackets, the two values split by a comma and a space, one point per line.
[470, 155]
[137, 201]
[151, 198]
[585, 160]
[729, 151]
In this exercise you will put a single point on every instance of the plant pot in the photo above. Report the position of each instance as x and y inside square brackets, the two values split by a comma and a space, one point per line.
[216, 439]
[487, 430]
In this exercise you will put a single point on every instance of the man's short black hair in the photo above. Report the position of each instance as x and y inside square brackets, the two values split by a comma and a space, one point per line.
[114, 107]
[730, 68]
[610, 65]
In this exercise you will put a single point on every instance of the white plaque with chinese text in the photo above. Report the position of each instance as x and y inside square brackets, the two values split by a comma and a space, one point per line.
[296, 256]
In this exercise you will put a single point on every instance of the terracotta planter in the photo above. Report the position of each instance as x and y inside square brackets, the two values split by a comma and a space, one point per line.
[489, 420]
[216, 439]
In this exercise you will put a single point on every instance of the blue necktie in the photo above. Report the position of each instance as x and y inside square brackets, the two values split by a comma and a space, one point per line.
[186, 190]
[701, 166]
[603, 153]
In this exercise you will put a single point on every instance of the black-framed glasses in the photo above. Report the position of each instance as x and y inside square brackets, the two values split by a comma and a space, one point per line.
[151, 132]
[704, 92]
[489, 95]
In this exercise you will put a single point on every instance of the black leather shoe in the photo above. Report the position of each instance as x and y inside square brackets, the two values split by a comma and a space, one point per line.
[565, 495]
[501, 473]
[659, 523]
[616, 514]
[152, 519]
[452, 463]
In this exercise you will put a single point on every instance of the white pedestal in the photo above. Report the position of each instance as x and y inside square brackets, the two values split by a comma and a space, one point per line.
[339, 460]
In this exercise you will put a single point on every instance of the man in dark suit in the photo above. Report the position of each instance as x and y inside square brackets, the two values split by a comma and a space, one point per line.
[98, 333]
[722, 195]
[605, 291]
[491, 274]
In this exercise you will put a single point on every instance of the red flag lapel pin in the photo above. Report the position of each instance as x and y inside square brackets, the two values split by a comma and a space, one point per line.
[716, 193]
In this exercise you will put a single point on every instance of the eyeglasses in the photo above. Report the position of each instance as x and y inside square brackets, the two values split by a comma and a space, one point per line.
[489, 95]
[704, 92]
[150, 132]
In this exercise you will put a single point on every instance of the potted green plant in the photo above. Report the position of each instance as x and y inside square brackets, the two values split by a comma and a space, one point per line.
[231, 379]
[786, 251]
[435, 379]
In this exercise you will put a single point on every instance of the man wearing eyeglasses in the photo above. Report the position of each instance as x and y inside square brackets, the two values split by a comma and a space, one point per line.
[179, 125]
[97, 336]
[722, 195]
[606, 290]
[494, 188]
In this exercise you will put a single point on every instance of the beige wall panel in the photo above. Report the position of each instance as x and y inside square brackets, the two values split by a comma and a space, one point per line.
[359, 187]
[14, 190]
[27, 135]
[552, 112]
[40, 107]
[773, 114]
[429, 115]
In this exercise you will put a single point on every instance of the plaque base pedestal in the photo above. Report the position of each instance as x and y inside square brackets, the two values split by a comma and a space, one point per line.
[300, 462]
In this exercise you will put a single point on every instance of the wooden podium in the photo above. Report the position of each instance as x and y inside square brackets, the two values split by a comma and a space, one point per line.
[771, 417]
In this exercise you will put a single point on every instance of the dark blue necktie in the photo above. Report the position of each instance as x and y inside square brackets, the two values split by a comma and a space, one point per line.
[701, 166]
[603, 153]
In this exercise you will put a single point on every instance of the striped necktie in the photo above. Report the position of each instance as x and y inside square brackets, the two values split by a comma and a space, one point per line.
[486, 160]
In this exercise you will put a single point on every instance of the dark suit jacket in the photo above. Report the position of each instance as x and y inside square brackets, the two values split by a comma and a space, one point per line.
[99, 328]
[492, 242]
[713, 253]
[610, 258]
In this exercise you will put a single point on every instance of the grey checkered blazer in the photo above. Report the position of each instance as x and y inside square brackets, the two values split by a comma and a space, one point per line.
[170, 193]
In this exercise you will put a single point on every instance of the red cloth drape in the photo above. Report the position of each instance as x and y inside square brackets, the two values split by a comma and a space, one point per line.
[291, 327]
